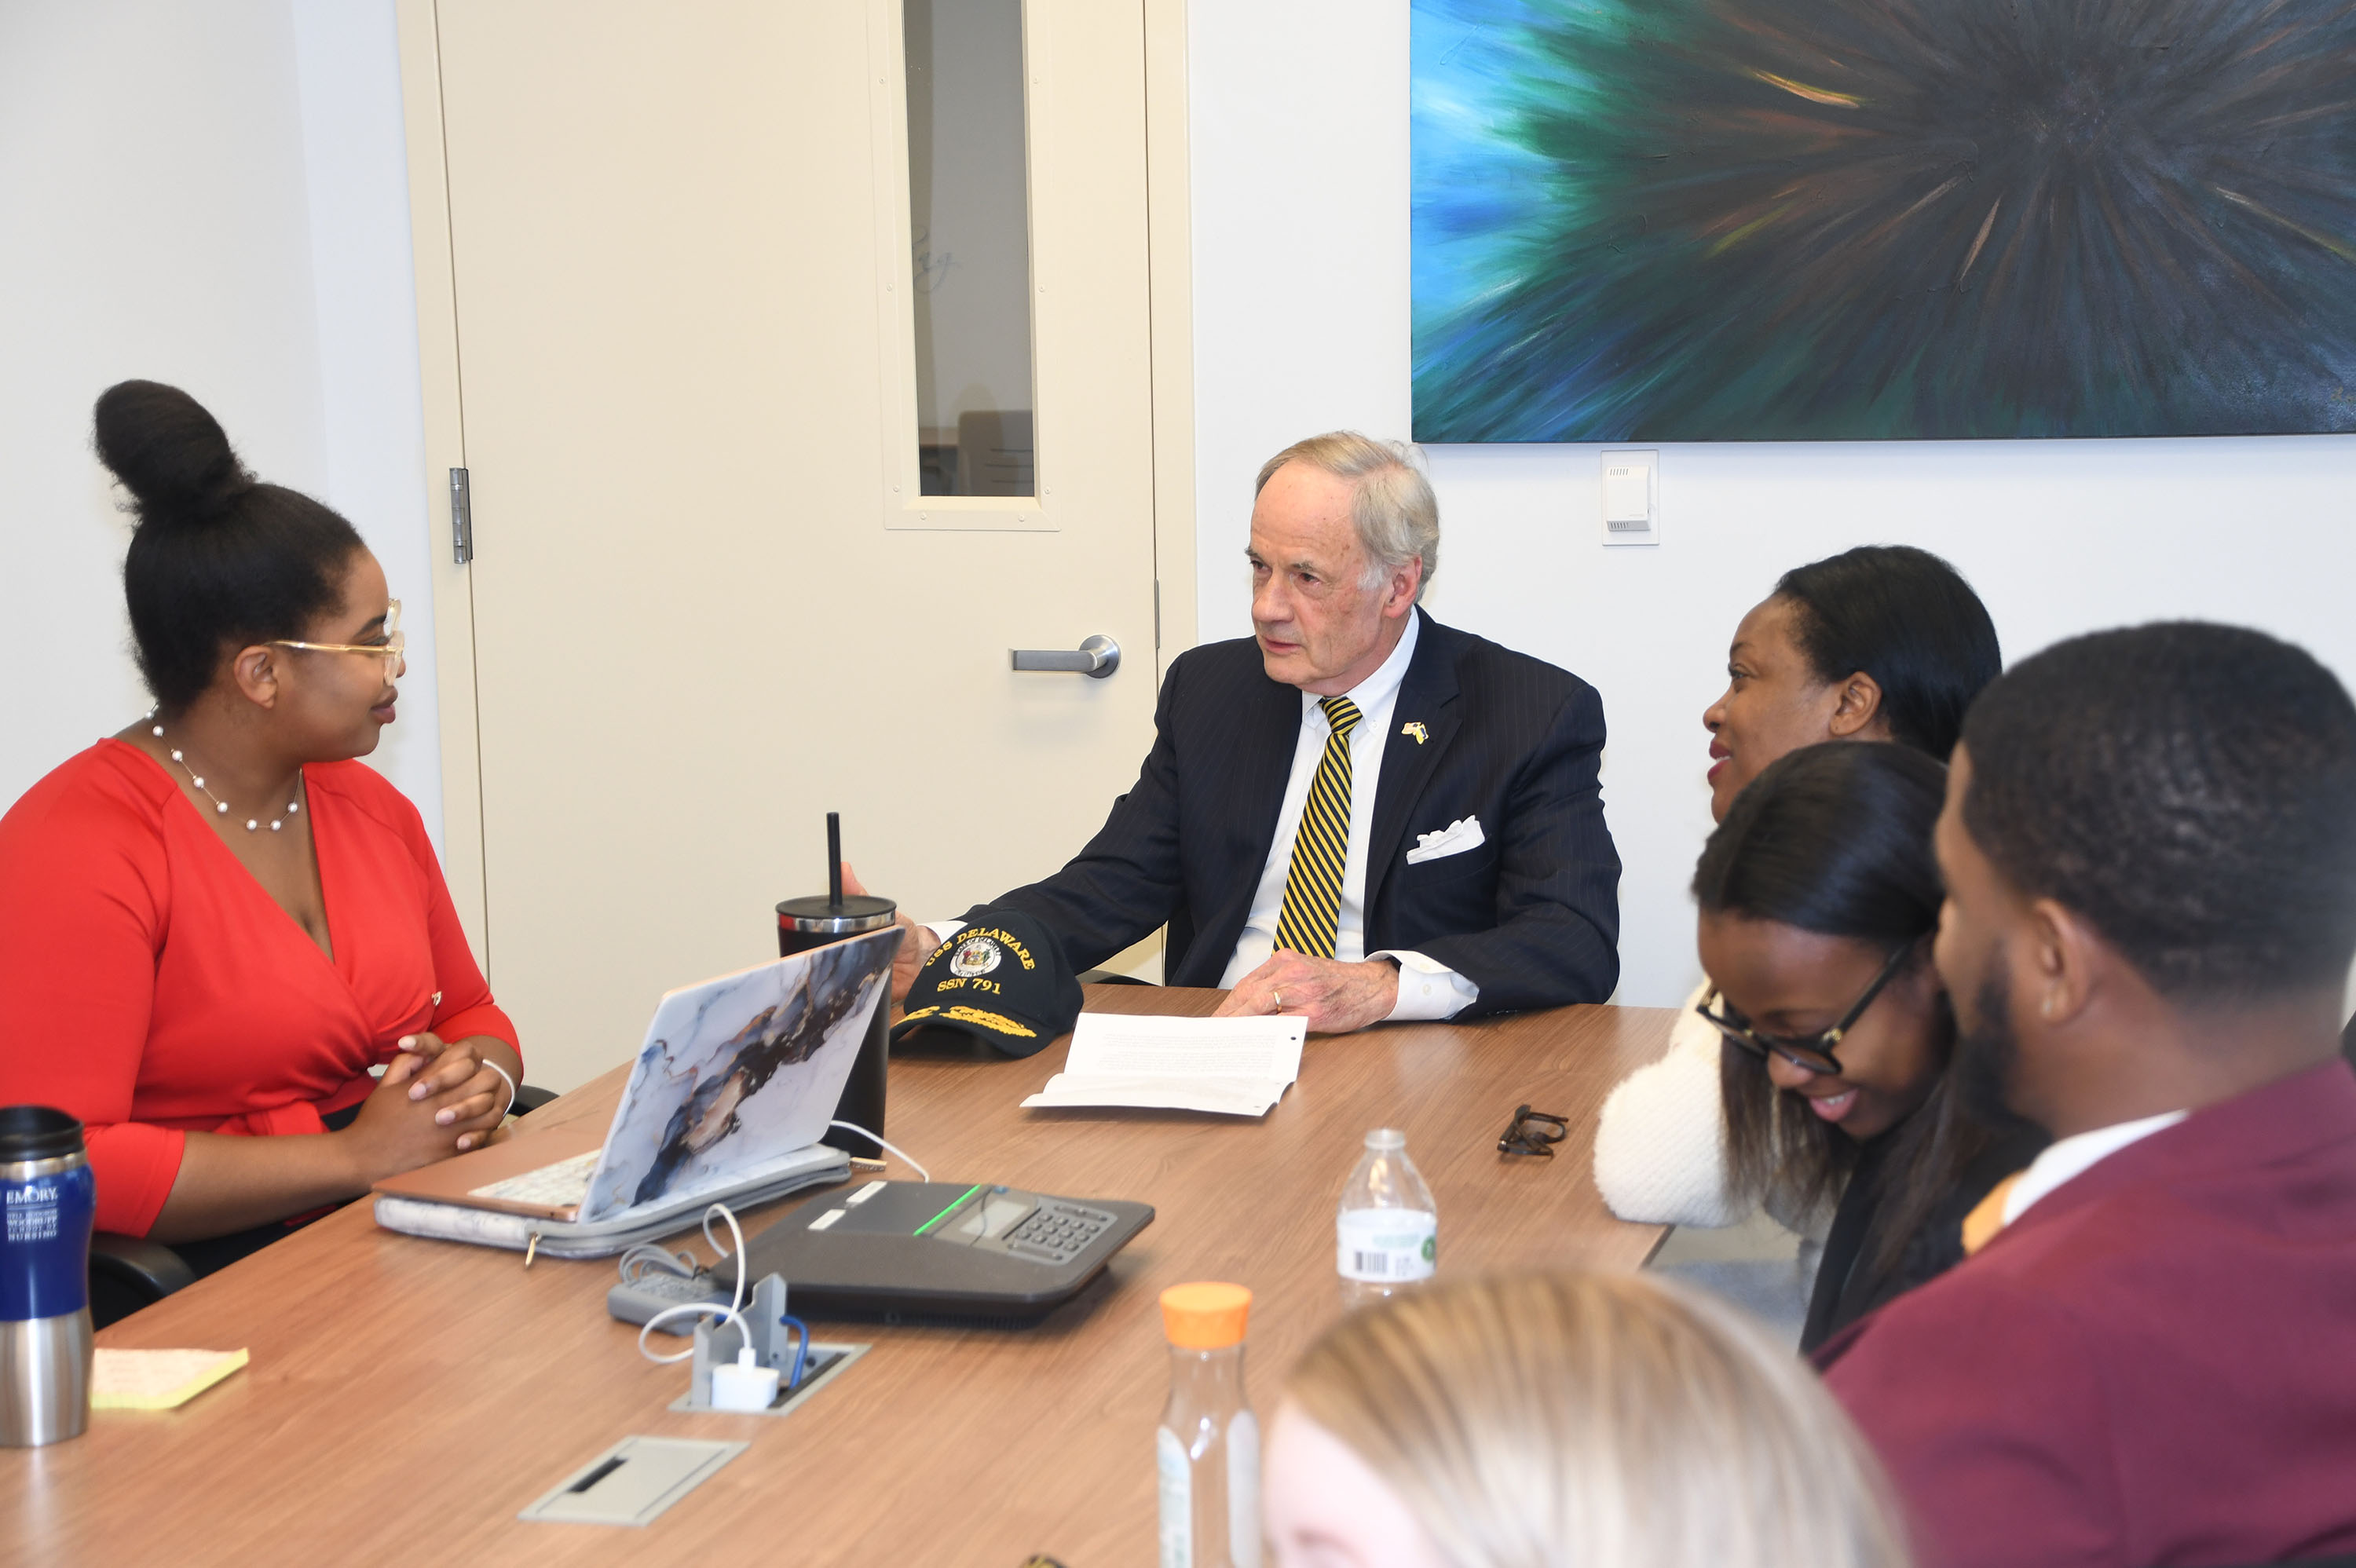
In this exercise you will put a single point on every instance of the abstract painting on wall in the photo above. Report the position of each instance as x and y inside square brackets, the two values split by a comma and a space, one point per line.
[1855, 220]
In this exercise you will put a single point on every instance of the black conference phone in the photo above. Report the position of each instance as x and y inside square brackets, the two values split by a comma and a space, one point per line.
[938, 1251]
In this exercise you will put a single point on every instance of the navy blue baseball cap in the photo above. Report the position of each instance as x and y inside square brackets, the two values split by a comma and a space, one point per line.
[1002, 979]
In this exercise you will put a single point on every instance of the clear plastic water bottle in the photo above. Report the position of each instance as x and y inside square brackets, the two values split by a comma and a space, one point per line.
[1387, 1235]
[1208, 1448]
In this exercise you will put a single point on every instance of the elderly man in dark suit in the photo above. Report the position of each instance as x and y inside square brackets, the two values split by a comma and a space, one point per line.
[1356, 814]
[2149, 1357]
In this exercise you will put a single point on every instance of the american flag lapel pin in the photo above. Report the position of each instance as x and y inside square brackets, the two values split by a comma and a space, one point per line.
[1415, 726]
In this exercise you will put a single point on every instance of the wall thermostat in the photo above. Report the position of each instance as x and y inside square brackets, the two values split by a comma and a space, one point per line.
[1632, 498]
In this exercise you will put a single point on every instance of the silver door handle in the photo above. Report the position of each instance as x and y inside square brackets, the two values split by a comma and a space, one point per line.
[1097, 659]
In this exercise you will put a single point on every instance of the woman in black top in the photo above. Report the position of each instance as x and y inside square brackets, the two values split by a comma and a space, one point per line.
[1819, 899]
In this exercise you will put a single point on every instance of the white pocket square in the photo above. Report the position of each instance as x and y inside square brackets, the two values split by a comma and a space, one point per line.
[1453, 839]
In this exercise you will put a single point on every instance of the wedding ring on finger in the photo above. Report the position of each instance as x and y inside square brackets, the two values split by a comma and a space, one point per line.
[1276, 1001]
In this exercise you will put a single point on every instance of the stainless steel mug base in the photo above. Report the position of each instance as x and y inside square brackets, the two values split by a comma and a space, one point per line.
[44, 1380]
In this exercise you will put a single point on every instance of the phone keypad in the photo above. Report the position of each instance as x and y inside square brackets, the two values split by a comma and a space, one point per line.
[1057, 1232]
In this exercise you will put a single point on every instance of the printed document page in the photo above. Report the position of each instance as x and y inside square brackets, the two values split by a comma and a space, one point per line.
[1237, 1067]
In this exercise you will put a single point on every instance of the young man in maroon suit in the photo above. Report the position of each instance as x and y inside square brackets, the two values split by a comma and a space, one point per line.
[2149, 844]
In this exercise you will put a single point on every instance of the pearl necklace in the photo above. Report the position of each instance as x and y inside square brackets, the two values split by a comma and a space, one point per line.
[220, 806]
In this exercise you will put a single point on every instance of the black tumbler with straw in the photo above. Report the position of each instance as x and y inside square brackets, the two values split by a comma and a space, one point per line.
[805, 924]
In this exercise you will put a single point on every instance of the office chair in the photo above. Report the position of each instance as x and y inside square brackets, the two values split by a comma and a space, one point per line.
[127, 1273]
[994, 452]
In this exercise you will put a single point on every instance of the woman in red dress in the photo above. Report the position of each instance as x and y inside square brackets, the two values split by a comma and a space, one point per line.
[215, 924]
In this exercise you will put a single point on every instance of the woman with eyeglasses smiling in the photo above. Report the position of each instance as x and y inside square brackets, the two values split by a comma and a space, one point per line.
[1882, 644]
[215, 924]
[1819, 897]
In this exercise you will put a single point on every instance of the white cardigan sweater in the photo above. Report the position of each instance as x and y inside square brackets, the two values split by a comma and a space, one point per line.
[1660, 1150]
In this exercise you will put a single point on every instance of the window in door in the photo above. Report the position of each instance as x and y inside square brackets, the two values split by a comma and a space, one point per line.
[970, 247]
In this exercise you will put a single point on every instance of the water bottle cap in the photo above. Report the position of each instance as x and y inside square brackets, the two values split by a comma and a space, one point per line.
[1386, 1139]
[36, 1132]
[1206, 1316]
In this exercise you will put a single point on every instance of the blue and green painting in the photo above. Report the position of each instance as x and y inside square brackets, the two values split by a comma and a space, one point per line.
[1855, 220]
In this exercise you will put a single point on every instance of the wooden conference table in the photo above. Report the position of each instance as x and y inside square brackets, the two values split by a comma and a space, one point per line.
[407, 1397]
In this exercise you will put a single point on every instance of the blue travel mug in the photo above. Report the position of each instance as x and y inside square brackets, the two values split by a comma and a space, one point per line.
[48, 1197]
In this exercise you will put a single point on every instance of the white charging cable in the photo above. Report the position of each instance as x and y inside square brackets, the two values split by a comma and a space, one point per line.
[651, 1258]
[731, 1313]
[646, 1259]
[879, 1139]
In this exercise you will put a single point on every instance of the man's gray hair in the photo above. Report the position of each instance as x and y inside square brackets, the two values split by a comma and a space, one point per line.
[1391, 503]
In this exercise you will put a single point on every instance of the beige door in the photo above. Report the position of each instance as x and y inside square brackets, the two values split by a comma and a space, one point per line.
[710, 598]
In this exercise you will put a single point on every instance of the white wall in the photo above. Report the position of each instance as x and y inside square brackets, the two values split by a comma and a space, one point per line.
[364, 295]
[215, 195]
[212, 196]
[1300, 172]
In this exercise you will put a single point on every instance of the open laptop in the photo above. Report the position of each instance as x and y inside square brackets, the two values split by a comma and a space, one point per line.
[734, 1086]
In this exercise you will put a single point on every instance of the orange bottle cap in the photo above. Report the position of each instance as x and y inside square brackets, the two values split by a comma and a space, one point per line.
[1206, 1316]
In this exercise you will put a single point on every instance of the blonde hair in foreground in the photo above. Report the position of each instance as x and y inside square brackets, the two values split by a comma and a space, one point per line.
[1598, 1421]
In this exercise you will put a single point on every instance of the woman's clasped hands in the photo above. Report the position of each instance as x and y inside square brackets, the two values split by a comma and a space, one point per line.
[437, 1097]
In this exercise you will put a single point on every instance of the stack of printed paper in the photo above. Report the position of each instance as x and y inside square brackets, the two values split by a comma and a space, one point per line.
[1237, 1067]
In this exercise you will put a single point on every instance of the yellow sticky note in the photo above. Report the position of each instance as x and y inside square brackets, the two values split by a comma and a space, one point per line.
[156, 1379]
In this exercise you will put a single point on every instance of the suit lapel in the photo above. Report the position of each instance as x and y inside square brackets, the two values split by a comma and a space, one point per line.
[1267, 733]
[1428, 696]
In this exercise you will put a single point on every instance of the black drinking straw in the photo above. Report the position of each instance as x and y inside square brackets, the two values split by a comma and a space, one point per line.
[834, 859]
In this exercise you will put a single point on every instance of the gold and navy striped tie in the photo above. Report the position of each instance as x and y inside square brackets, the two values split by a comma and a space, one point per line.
[1312, 883]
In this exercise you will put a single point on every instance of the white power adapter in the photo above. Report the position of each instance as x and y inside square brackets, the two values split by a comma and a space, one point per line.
[747, 1388]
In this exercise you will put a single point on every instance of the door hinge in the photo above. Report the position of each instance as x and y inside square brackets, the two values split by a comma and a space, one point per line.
[462, 520]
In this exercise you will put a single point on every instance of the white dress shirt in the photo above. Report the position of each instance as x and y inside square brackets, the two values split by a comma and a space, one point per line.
[2068, 1158]
[1427, 988]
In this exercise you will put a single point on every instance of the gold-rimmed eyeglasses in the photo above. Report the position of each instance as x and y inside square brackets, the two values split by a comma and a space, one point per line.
[390, 650]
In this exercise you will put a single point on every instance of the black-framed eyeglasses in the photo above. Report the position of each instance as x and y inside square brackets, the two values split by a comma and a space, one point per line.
[1533, 1132]
[1808, 1053]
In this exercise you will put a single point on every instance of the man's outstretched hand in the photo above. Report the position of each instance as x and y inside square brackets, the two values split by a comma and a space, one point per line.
[1335, 998]
[915, 943]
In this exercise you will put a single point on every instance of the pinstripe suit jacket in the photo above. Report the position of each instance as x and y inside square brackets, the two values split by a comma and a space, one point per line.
[1532, 916]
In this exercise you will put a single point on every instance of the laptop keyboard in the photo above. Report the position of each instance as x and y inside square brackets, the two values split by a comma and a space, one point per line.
[559, 1186]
